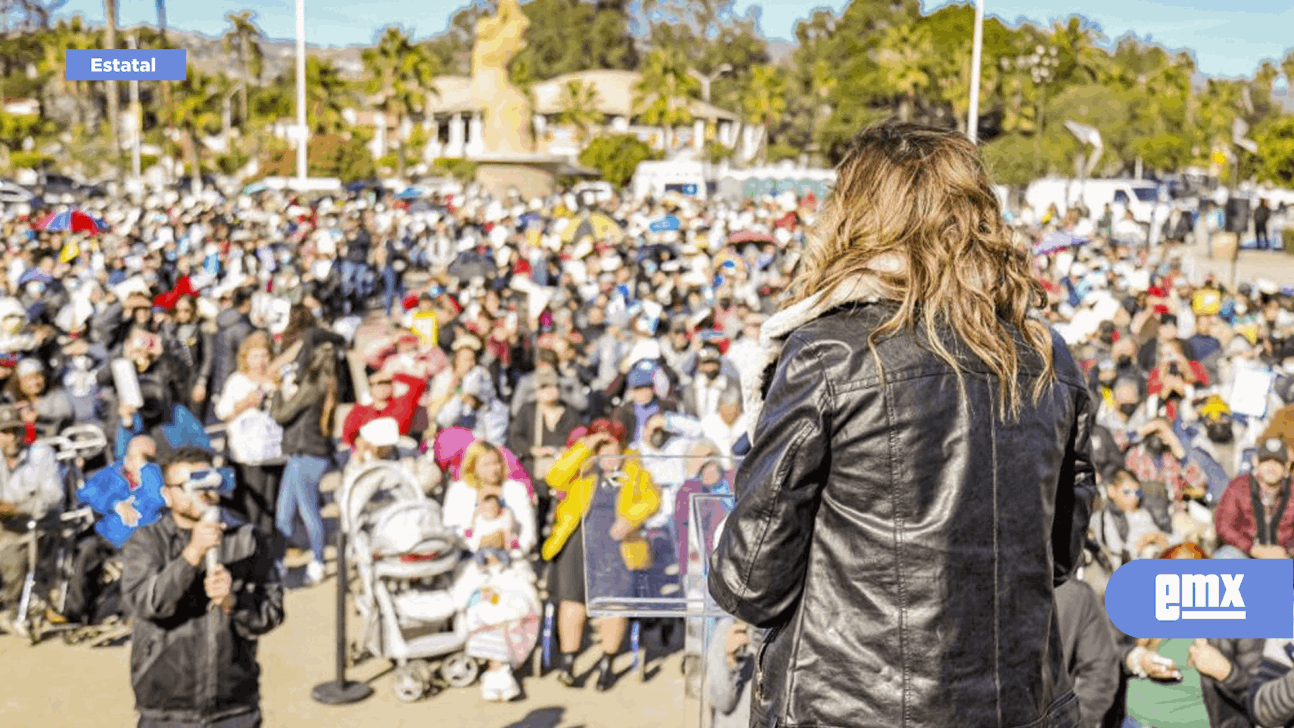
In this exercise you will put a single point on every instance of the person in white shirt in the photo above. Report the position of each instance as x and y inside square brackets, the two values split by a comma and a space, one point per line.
[728, 423]
[29, 488]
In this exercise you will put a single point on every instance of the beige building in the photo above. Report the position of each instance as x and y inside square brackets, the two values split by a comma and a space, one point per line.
[456, 118]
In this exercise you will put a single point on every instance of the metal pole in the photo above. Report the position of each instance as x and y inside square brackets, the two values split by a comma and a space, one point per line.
[136, 120]
[341, 691]
[301, 91]
[977, 51]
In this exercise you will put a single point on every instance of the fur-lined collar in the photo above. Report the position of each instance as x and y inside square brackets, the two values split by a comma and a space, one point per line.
[774, 332]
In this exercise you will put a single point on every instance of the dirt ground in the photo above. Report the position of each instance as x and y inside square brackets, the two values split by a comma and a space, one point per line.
[54, 685]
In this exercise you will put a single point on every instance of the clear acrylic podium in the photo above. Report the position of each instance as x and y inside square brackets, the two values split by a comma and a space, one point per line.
[660, 571]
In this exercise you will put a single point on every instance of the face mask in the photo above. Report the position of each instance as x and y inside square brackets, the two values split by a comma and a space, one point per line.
[1127, 408]
[1124, 362]
[1220, 432]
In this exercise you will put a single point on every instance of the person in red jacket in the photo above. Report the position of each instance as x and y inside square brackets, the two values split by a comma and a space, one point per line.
[1254, 517]
[394, 395]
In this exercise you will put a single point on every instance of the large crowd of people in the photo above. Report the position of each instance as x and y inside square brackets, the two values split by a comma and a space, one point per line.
[581, 330]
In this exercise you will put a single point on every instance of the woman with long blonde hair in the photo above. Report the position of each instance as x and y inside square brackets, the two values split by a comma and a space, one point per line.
[918, 478]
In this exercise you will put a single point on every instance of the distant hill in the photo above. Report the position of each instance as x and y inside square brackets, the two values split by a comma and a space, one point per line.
[207, 55]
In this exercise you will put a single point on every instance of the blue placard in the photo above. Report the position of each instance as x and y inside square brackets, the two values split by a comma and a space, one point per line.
[1189, 598]
[170, 64]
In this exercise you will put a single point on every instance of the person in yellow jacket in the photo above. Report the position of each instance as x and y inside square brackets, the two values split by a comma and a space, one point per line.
[607, 491]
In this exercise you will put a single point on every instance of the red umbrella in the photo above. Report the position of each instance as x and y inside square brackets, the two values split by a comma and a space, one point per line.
[71, 221]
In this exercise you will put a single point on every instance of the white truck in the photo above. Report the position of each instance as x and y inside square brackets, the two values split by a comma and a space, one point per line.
[1146, 199]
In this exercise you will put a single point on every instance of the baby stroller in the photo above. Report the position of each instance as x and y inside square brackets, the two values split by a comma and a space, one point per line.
[407, 563]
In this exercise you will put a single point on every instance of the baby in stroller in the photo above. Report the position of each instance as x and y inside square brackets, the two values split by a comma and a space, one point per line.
[497, 593]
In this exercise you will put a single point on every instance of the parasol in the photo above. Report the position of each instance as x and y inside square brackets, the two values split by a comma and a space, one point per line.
[1057, 240]
[71, 220]
[665, 224]
[749, 236]
[596, 225]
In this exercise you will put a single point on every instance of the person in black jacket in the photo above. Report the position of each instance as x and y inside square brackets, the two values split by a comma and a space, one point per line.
[194, 631]
[1091, 655]
[919, 477]
[307, 418]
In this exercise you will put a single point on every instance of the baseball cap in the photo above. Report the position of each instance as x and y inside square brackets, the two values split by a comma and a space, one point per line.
[1273, 448]
[642, 375]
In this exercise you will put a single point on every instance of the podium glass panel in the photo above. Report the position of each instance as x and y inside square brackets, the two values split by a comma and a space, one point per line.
[661, 569]
[653, 571]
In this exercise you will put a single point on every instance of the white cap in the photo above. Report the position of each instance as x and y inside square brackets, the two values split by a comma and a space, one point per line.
[381, 432]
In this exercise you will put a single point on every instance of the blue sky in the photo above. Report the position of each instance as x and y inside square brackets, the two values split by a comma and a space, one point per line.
[1229, 37]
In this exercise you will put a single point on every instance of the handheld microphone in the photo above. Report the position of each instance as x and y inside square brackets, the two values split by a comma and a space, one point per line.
[212, 515]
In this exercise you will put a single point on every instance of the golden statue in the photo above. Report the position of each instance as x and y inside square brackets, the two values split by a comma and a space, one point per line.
[499, 38]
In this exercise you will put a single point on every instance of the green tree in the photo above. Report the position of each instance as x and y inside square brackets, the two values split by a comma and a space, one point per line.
[617, 156]
[663, 93]
[765, 102]
[603, 39]
[402, 74]
[1276, 151]
[580, 108]
[193, 112]
[243, 39]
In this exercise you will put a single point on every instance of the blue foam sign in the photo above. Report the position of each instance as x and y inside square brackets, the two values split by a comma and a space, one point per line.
[1189, 598]
[169, 64]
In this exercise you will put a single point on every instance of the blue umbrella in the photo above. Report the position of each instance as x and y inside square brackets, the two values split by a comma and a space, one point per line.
[255, 187]
[669, 223]
[410, 193]
[1057, 240]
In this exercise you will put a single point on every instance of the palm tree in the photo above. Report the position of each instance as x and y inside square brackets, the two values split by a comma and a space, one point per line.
[1287, 70]
[194, 112]
[765, 102]
[580, 107]
[663, 91]
[327, 95]
[244, 38]
[402, 74]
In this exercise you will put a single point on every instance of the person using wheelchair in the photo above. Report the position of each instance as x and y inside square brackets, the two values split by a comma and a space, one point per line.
[30, 489]
[125, 497]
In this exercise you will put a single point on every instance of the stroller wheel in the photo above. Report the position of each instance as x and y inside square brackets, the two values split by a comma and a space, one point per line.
[459, 670]
[408, 685]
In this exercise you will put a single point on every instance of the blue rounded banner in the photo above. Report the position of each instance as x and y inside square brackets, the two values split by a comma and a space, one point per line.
[1190, 598]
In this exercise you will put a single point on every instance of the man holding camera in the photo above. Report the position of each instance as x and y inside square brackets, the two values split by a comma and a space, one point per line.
[193, 647]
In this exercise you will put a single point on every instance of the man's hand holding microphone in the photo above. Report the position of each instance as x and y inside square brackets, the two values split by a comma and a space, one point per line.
[203, 546]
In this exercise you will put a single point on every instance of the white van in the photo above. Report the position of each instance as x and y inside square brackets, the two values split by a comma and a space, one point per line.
[1142, 197]
[654, 179]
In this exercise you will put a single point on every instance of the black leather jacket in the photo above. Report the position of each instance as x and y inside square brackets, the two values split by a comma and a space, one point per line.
[901, 542]
[189, 663]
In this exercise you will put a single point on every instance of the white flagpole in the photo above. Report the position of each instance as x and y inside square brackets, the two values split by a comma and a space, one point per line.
[301, 91]
[977, 49]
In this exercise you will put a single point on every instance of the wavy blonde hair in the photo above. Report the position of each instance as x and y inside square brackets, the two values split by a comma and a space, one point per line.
[473, 455]
[921, 198]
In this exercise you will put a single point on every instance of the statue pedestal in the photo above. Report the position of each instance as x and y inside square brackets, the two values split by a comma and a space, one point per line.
[530, 175]
[500, 178]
